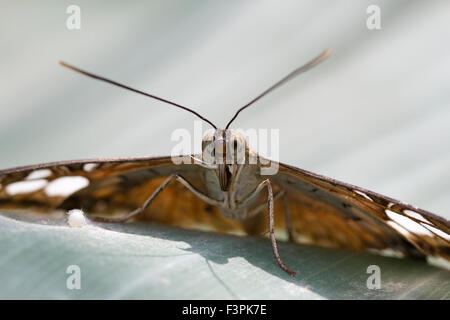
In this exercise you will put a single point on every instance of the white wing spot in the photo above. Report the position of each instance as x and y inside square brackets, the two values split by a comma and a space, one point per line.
[440, 233]
[415, 215]
[407, 223]
[387, 252]
[39, 174]
[65, 186]
[438, 262]
[25, 186]
[90, 166]
[399, 228]
[363, 194]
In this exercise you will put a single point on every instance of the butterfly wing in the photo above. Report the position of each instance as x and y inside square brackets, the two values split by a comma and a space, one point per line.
[328, 212]
[322, 211]
[112, 188]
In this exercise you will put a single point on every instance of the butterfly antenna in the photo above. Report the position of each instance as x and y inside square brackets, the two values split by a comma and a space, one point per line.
[291, 75]
[134, 90]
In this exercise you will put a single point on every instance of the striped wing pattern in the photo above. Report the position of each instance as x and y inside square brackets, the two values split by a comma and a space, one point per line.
[322, 211]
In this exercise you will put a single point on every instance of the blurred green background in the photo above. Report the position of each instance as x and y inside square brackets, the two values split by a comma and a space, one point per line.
[376, 114]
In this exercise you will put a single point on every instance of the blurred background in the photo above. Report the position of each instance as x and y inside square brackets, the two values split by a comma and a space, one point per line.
[376, 114]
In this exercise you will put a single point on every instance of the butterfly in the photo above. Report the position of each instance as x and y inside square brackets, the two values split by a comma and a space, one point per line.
[200, 192]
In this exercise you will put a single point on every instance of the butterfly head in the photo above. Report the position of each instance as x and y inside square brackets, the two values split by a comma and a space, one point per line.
[226, 149]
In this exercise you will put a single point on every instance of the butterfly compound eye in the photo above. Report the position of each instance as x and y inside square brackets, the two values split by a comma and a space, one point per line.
[236, 140]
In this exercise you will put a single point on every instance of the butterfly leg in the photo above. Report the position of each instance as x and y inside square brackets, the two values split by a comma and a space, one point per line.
[149, 200]
[203, 164]
[266, 184]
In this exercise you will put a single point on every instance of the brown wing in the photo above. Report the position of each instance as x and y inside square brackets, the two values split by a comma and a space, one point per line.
[323, 211]
[112, 187]
[332, 213]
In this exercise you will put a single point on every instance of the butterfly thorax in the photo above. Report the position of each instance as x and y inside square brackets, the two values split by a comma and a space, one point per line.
[236, 172]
